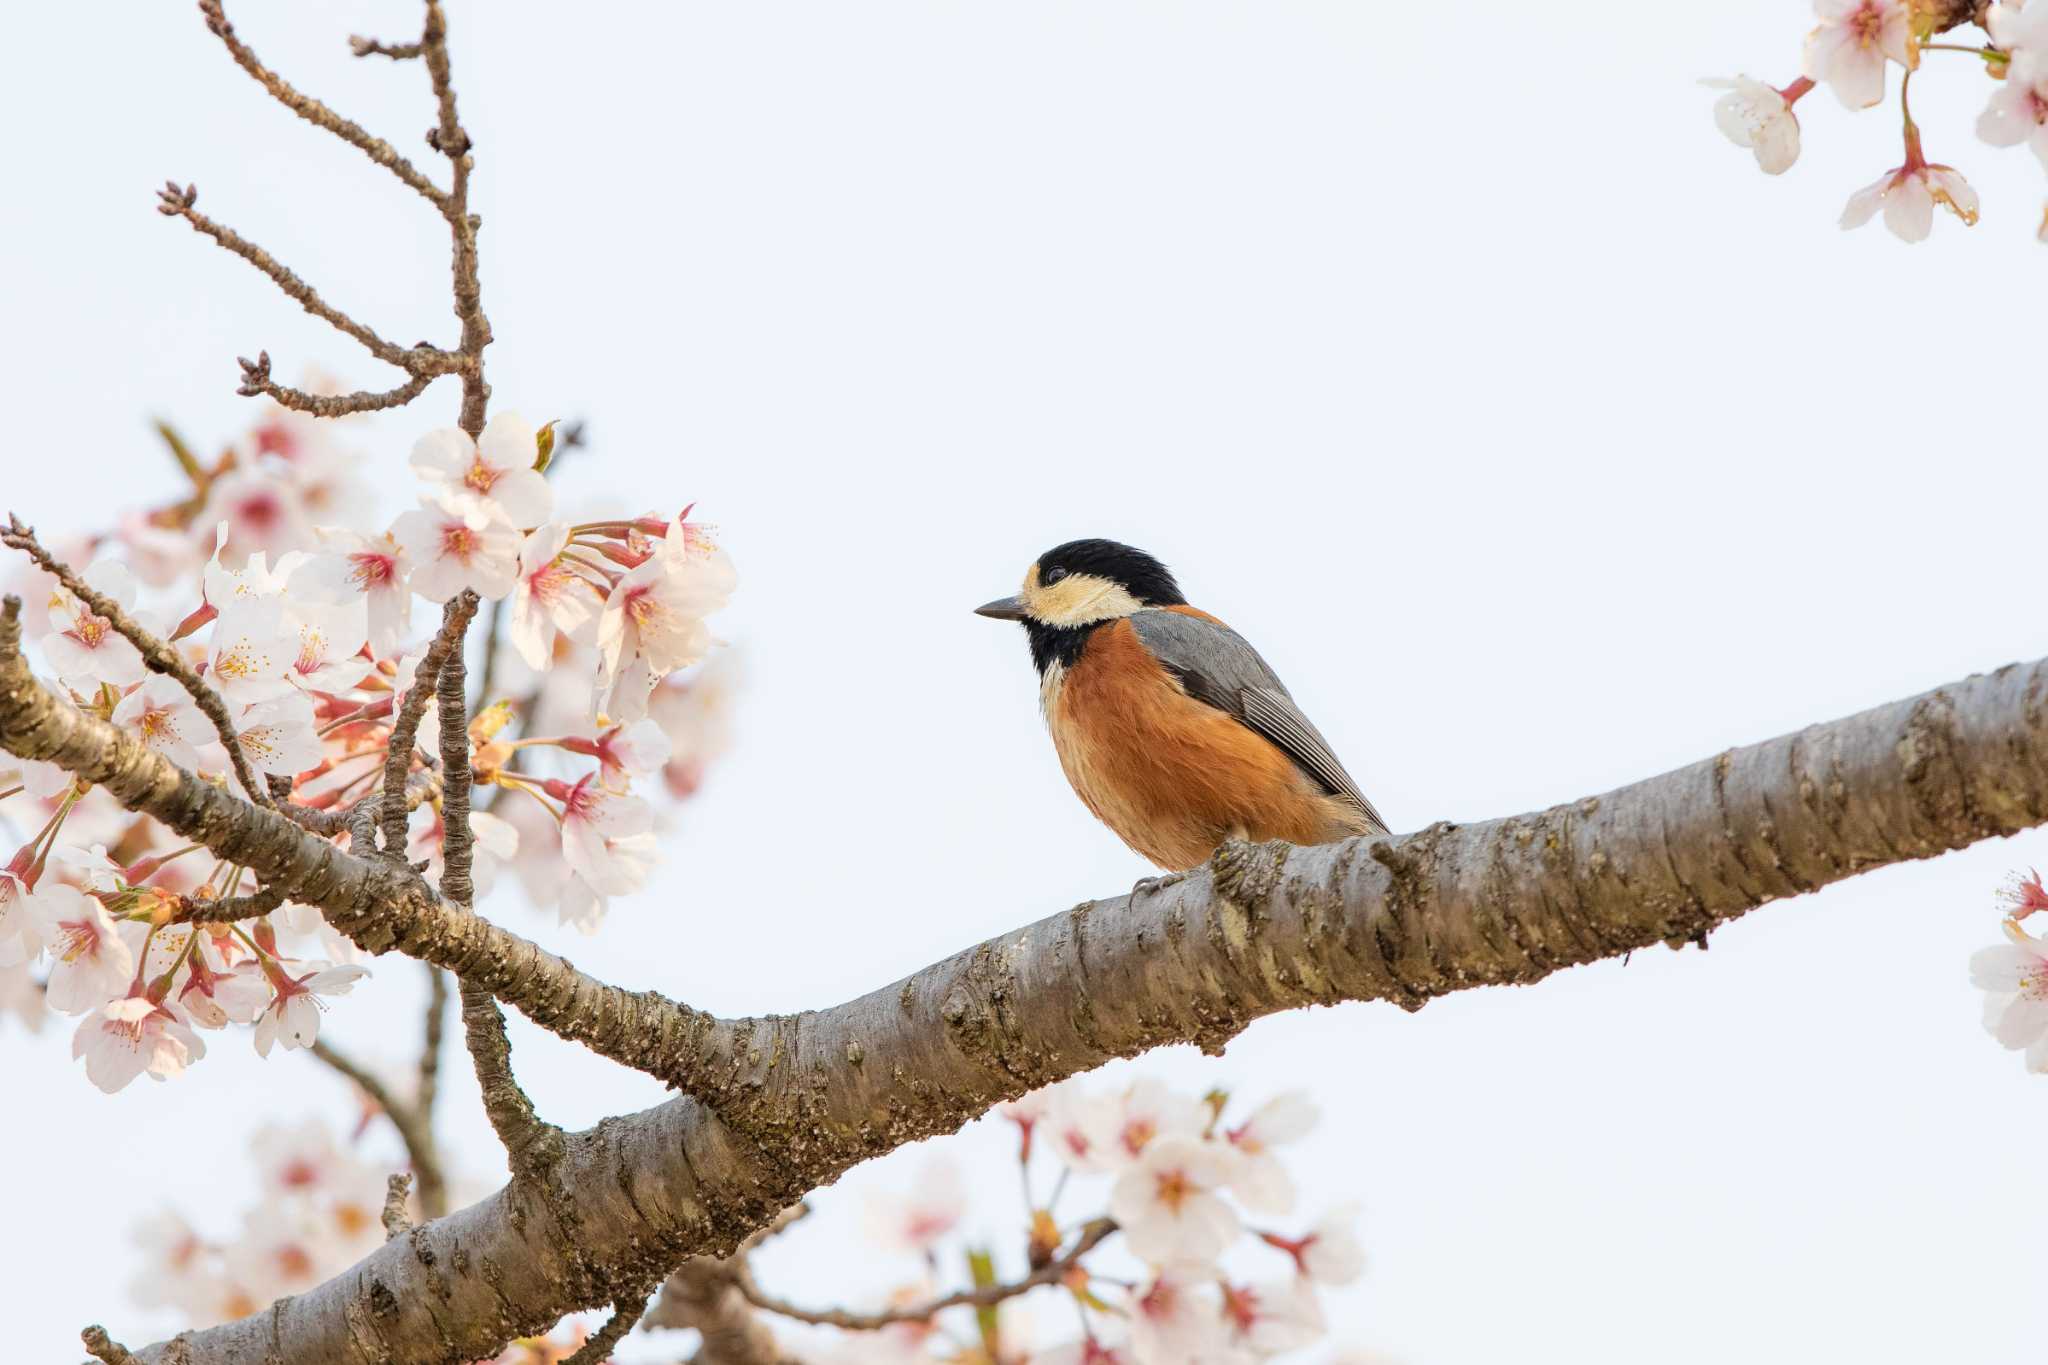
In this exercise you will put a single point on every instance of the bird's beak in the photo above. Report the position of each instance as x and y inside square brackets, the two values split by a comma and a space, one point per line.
[1002, 609]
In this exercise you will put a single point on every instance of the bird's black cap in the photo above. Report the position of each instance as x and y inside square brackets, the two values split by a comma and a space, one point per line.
[1144, 577]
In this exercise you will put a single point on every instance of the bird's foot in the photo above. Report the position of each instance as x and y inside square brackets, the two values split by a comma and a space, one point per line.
[1145, 886]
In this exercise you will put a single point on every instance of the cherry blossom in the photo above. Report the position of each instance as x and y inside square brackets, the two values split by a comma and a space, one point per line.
[550, 598]
[253, 646]
[608, 843]
[496, 843]
[2016, 27]
[292, 1018]
[2015, 973]
[330, 642]
[165, 718]
[1268, 1319]
[122, 1039]
[453, 550]
[90, 961]
[85, 647]
[279, 736]
[1759, 117]
[1328, 1253]
[1167, 1206]
[1854, 40]
[372, 568]
[1150, 1109]
[493, 474]
[2018, 111]
[221, 585]
[653, 620]
[913, 1222]
[1175, 1319]
[262, 513]
[21, 923]
[1260, 1182]
[2022, 896]
[21, 996]
[1908, 194]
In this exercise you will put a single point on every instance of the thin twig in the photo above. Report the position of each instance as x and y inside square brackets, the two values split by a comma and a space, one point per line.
[449, 138]
[419, 789]
[177, 202]
[256, 381]
[1052, 1272]
[370, 47]
[396, 1187]
[417, 1137]
[627, 1310]
[433, 1194]
[158, 656]
[398, 758]
[104, 1348]
[533, 1146]
[316, 113]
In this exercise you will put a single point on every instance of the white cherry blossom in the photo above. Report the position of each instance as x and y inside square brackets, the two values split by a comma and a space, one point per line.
[1270, 1319]
[1260, 1182]
[913, 1221]
[653, 620]
[121, 1039]
[1175, 1319]
[1908, 194]
[83, 647]
[165, 718]
[21, 923]
[1854, 40]
[292, 1018]
[252, 651]
[550, 598]
[451, 550]
[1330, 1252]
[330, 641]
[262, 512]
[1167, 1205]
[1759, 117]
[494, 473]
[280, 737]
[90, 962]
[2015, 973]
[2018, 111]
[374, 569]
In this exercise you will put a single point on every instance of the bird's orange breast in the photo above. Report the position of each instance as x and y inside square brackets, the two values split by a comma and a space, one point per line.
[1172, 776]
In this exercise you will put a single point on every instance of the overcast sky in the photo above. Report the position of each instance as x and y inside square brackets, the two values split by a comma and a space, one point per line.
[1539, 441]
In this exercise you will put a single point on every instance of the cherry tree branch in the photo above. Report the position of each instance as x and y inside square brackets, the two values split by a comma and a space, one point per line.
[777, 1105]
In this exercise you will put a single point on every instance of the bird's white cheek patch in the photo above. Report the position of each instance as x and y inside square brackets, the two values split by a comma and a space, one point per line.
[1049, 686]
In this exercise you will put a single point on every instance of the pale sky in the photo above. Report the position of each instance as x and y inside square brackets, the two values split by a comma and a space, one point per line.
[1538, 440]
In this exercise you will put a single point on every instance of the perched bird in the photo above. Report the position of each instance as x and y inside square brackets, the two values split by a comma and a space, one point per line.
[1171, 728]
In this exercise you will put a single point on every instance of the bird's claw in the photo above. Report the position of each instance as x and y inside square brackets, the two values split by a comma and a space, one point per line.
[1145, 886]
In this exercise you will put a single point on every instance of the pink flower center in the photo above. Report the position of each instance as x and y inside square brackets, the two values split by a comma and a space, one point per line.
[275, 438]
[1137, 1132]
[1173, 1190]
[77, 938]
[298, 1174]
[260, 512]
[312, 651]
[458, 542]
[91, 630]
[481, 476]
[1867, 23]
[642, 607]
[368, 570]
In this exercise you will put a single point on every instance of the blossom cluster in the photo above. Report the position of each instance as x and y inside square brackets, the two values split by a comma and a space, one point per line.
[1188, 1188]
[2014, 975]
[1851, 52]
[298, 612]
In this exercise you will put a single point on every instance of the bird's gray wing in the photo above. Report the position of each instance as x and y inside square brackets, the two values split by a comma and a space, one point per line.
[1217, 666]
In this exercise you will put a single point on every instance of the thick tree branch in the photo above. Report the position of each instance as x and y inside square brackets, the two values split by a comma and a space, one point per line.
[782, 1104]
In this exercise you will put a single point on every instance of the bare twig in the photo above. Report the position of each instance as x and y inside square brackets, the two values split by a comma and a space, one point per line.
[104, 1348]
[177, 202]
[449, 138]
[256, 381]
[419, 788]
[1052, 1272]
[398, 758]
[396, 1187]
[316, 113]
[370, 47]
[418, 1138]
[157, 655]
[532, 1144]
[626, 1311]
[433, 1194]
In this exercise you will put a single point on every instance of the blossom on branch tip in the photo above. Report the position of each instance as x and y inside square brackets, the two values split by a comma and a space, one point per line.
[2018, 111]
[550, 598]
[1847, 52]
[2016, 27]
[1759, 117]
[90, 961]
[84, 647]
[1329, 1252]
[653, 620]
[1260, 1182]
[375, 570]
[493, 473]
[1269, 1319]
[2022, 896]
[2015, 975]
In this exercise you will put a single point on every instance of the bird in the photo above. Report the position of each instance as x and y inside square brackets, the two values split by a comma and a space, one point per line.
[1170, 727]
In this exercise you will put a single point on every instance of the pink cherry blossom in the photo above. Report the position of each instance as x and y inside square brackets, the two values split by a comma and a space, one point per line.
[1167, 1206]
[550, 598]
[2018, 111]
[1150, 1109]
[1855, 39]
[1269, 1319]
[1329, 1252]
[21, 923]
[2015, 973]
[1175, 1318]
[330, 642]
[122, 1039]
[2017, 27]
[2022, 896]
[256, 577]
[90, 962]
[292, 1018]
[252, 651]
[494, 473]
[262, 512]
[452, 550]
[608, 843]
[496, 843]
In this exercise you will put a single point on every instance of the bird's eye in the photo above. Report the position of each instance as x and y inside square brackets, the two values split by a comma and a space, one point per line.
[1051, 576]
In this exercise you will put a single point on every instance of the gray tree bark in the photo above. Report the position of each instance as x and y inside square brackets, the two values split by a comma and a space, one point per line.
[776, 1106]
